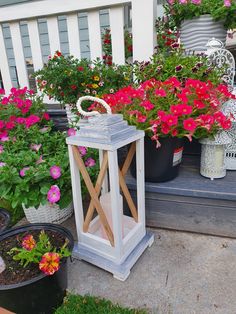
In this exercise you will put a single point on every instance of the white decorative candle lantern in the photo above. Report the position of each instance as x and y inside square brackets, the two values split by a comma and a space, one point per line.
[229, 108]
[110, 239]
[213, 156]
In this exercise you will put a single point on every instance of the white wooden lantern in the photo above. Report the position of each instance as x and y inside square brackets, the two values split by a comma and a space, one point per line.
[213, 156]
[110, 239]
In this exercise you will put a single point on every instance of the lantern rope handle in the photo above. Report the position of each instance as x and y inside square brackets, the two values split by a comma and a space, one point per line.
[92, 113]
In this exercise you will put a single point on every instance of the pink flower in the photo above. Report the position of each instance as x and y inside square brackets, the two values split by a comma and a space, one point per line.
[160, 92]
[2, 124]
[31, 120]
[46, 116]
[189, 124]
[90, 162]
[35, 147]
[227, 3]
[183, 1]
[186, 109]
[44, 130]
[82, 150]
[4, 138]
[54, 194]
[141, 118]
[5, 100]
[10, 125]
[20, 120]
[2, 164]
[1, 149]
[40, 160]
[71, 132]
[2, 91]
[23, 171]
[196, 2]
[55, 172]
[147, 105]
[170, 120]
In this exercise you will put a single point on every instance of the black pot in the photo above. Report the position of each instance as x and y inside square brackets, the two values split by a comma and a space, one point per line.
[161, 164]
[192, 148]
[42, 294]
[7, 219]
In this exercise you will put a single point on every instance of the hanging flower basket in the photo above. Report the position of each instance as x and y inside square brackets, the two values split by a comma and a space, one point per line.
[50, 213]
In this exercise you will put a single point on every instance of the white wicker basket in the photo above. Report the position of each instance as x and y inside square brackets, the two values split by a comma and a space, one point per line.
[48, 213]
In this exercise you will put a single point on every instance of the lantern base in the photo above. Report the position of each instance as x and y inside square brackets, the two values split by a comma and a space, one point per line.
[119, 271]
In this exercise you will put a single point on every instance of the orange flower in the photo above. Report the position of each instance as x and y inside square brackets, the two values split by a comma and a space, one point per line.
[28, 242]
[49, 263]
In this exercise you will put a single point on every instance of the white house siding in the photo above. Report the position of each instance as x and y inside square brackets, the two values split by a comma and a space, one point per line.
[43, 32]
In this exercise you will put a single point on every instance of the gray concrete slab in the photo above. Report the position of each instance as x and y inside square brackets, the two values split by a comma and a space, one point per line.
[182, 273]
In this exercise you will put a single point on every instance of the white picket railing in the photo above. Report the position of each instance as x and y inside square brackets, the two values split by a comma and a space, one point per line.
[143, 30]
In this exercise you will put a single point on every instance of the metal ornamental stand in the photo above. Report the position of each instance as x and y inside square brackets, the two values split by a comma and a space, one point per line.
[106, 237]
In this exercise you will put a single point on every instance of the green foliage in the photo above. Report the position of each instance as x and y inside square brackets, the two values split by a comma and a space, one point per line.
[216, 8]
[76, 304]
[66, 78]
[167, 64]
[42, 246]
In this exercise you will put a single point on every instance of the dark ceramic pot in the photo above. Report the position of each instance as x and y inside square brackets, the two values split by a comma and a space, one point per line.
[161, 164]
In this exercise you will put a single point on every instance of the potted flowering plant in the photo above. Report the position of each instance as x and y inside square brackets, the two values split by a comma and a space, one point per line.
[200, 20]
[33, 267]
[65, 79]
[170, 110]
[34, 163]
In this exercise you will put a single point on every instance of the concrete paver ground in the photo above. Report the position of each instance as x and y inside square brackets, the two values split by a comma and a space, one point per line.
[182, 273]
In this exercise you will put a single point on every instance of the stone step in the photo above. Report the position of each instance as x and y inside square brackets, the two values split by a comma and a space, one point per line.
[191, 202]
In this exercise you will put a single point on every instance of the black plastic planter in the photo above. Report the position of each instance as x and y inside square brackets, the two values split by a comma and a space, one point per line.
[42, 294]
[4, 214]
[161, 164]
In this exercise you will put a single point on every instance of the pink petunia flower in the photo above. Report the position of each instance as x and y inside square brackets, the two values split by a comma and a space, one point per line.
[82, 150]
[23, 171]
[54, 194]
[71, 132]
[55, 172]
[227, 3]
[35, 147]
[90, 162]
[40, 160]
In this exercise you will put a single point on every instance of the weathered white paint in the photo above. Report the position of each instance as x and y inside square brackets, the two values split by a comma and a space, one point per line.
[117, 34]
[19, 54]
[73, 35]
[35, 44]
[95, 41]
[4, 67]
[53, 34]
[143, 28]
[49, 7]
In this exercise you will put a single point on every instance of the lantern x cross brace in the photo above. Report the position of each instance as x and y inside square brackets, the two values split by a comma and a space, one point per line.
[95, 191]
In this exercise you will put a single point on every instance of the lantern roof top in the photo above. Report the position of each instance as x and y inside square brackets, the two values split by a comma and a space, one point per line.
[105, 131]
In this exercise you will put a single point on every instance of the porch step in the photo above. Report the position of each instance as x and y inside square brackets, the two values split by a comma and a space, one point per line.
[191, 202]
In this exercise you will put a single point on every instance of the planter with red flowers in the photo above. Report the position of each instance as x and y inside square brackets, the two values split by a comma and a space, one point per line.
[33, 267]
[168, 111]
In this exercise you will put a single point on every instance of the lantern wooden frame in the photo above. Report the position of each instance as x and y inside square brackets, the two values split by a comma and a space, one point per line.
[117, 254]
